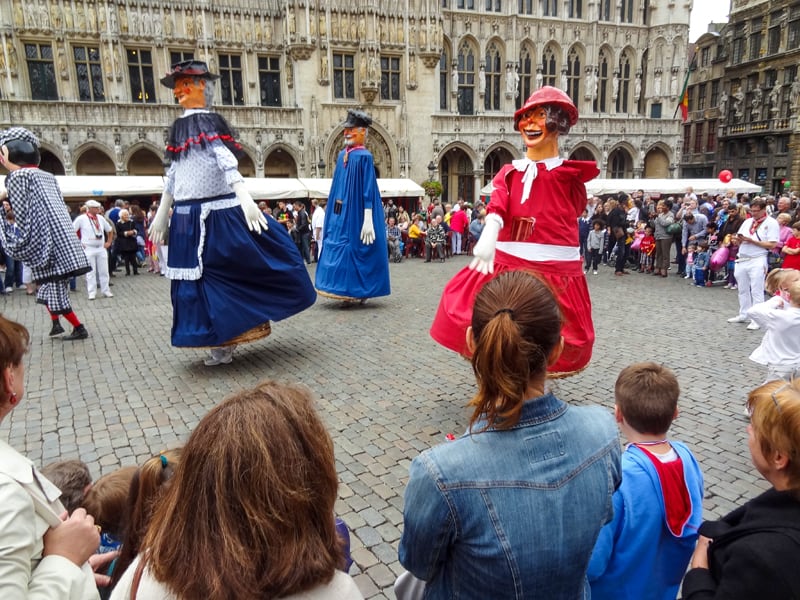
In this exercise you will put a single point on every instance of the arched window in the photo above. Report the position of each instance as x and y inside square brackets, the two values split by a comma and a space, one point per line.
[466, 79]
[601, 102]
[623, 92]
[466, 179]
[619, 165]
[494, 73]
[444, 77]
[574, 75]
[525, 75]
[549, 67]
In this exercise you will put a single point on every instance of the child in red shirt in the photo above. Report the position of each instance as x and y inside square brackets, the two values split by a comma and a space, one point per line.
[791, 249]
[647, 251]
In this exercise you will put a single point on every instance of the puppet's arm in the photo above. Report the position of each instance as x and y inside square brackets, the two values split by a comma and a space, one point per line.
[485, 247]
[160, 224]
[367, 229]
[256, 220]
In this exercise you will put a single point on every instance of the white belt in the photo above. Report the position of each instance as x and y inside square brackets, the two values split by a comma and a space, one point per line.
[540, 252]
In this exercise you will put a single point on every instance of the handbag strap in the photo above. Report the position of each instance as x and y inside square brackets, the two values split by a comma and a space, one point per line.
[137, 578]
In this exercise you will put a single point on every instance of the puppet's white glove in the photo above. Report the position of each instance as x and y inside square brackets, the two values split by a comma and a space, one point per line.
[367, 229]
[484, 249]
[160, 224]
[256, 220]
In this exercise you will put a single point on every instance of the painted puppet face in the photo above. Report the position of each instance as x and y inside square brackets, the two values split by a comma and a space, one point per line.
[190, 93]
[539, 141]
[354, 136]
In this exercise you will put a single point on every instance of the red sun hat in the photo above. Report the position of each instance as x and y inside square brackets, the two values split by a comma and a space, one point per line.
[548, 95]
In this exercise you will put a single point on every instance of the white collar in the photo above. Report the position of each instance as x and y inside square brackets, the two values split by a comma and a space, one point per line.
[530, 170]
[194, 111]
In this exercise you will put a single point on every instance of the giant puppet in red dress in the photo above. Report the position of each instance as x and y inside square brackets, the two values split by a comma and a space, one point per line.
[532, 224]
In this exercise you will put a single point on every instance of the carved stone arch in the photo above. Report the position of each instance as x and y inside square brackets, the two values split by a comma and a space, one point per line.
[657, 160]
[52, 159]
[585, 151]
[379, 142]
[94, 158]
[501, 45]
[144, 158]
[620, 163]
[495, 157]
[280, 160]
[551, 61]
[457, 165]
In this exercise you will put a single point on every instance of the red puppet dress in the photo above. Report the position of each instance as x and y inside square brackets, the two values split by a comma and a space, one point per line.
[547, 245]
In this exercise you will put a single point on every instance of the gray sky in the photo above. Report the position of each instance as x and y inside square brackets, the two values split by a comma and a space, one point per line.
[705, 12]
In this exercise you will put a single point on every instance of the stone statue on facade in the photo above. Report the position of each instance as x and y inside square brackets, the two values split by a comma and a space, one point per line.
[775, 99]
[723, 106]
[794, 93]
[738, 104]
[755, 103]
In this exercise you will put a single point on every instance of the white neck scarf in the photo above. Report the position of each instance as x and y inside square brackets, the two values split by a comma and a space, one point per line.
[530, 171]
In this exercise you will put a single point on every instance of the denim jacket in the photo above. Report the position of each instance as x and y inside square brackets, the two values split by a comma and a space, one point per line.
[513, 513]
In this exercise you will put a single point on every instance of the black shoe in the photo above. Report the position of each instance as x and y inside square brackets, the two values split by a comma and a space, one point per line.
[57, 329]
[78, 333]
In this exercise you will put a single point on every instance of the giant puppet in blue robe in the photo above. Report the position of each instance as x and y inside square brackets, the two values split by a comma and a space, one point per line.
[354, 263]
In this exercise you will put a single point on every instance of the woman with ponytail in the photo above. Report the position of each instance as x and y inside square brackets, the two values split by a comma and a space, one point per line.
[512, 509]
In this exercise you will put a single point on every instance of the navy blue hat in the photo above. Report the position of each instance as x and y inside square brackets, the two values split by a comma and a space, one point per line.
[187, 68]
[357, 118]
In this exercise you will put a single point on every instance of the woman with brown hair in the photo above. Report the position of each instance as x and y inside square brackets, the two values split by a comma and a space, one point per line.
[249, 513]
[512, 509]
[752, 552]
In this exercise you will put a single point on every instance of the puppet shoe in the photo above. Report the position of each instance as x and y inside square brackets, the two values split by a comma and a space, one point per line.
[78, 333]
[219, 356]
[738, 319]
[57, 329]
[752, 326]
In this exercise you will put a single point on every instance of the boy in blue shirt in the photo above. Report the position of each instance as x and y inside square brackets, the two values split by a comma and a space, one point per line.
[642, 554]
[701, 262]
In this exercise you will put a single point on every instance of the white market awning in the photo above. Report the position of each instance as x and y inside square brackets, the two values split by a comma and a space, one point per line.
[599, 187]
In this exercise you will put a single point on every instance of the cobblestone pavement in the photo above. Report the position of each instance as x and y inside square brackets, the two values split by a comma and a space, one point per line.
[385, 389]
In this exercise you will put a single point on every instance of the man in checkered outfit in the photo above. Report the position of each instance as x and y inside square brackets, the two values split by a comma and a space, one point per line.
[42, 236]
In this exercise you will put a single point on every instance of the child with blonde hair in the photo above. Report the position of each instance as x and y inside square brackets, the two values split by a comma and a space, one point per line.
[779, 350]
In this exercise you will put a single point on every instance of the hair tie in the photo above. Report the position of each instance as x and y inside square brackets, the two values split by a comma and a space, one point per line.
[505, 310]
[163, 461]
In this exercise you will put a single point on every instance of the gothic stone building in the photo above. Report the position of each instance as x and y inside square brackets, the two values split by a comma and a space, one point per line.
[441, 79]
[743, 97]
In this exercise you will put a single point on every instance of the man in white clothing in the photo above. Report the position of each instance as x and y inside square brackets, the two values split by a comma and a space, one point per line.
[92, 229]
[757, 236]
[317, 222]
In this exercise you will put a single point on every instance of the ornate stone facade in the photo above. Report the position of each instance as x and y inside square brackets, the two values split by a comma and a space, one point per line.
[744, 95]
[441, 82]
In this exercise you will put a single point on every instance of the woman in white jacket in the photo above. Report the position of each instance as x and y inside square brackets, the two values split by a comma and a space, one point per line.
[43, 555]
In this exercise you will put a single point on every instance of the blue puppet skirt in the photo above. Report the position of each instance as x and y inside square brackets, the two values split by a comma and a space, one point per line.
[227, 280]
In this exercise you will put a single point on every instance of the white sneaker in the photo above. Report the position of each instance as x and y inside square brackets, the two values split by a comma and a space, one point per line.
[752, 326]
[91, 296]
[737, 319]
[594, 272]
[8, 290]
[108, 294]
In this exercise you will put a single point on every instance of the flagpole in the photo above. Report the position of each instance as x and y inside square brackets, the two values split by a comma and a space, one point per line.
[692, 67]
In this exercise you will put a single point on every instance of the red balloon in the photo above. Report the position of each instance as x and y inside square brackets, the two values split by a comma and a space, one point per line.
[725, 176]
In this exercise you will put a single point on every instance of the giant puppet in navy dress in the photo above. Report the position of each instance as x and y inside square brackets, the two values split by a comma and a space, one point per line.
[354, 263]
[532, 224]
[232, 269]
